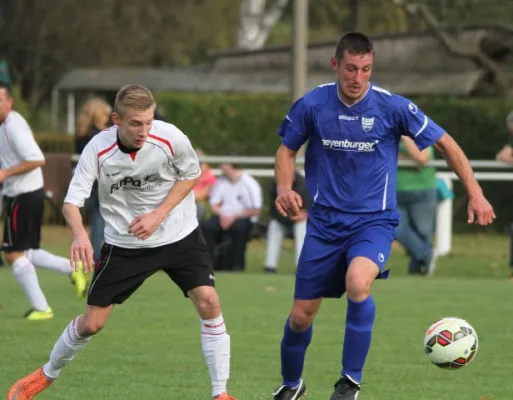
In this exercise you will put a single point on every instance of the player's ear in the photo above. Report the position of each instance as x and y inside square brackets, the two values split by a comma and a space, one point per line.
[334, 63]
[116, 118]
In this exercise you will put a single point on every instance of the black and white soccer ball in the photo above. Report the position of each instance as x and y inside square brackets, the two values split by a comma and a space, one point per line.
[451, 343]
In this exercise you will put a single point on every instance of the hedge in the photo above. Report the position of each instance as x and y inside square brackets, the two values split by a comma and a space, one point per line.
[246, 124]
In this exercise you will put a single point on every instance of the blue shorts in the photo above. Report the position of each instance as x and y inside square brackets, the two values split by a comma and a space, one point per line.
[332, 240]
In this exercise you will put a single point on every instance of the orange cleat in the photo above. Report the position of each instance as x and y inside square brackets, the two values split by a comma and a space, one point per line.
[28, 387]
[222, 396]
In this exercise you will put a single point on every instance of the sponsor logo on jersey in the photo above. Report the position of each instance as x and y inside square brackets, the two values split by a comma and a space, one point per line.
[149, 182]
[367, 123]
[348, 117]
[349, 145]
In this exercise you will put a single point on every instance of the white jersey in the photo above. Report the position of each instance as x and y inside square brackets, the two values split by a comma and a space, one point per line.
[134, 184]
[17, 144]
[236, 197]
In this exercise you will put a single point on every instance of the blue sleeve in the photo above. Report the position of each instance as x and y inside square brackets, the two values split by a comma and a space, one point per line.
[296, 126]
[418, 126]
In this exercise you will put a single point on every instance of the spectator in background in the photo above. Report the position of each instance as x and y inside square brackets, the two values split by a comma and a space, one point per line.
[506, 155]
[236, 201]
[94, 117]
[416, 202]
[204, 186]
[280, 225]
[2, 264]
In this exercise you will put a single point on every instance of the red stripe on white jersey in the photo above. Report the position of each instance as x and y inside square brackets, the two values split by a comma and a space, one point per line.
[101, 153]
[165, 141]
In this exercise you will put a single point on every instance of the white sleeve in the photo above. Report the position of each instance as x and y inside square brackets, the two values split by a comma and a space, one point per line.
[83, 179]
[255, 192]
[22, 138]
[216, 194]
[185, 158]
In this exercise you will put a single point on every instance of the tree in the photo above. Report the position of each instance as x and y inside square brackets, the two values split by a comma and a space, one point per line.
[256, 21]
[456, 47]
[44, 39]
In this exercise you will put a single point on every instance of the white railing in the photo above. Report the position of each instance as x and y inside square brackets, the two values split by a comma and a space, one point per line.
[444, 211]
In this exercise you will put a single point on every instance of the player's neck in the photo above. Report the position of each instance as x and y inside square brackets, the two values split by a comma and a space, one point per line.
[124, 148]
[349, 101]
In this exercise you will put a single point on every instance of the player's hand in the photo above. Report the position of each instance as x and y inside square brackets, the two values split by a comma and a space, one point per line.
[226, 221]
[288, 202]
[3, 175]
[144, 225]
[81, 251]
[480, 211]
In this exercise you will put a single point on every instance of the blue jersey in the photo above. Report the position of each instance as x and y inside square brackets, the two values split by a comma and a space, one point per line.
[351, 159]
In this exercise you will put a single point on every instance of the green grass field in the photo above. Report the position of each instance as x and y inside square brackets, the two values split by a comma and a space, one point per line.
[150, 349]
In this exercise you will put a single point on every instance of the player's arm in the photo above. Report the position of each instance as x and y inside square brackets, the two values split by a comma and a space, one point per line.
[79, 190]
[187, 163]
[425, 132]
[22, 139]
[459, 163]
[479, 209]
[294, 131]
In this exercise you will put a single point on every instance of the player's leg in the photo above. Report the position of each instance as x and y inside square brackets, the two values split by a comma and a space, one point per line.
[191, 269]
[318, 275]
[16, 242]
[275, 234]
[215, 340]
[34, 203]
[118, 274]
[74, 338]
[368, 251]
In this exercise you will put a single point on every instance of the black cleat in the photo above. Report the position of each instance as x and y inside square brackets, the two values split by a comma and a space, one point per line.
[345, 389]
[286, 393]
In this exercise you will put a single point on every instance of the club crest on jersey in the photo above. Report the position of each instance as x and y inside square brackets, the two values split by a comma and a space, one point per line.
[367, 123]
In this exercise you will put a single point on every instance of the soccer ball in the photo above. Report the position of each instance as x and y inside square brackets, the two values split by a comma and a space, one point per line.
[451, 343]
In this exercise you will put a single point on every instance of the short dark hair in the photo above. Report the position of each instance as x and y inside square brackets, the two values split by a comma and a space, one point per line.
[353, 43]
[7, 87]
[232, 154]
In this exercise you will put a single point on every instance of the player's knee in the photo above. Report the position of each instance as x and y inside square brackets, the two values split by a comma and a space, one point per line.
[358, 288]
[301, 319]
[90, 327]
[208, 304]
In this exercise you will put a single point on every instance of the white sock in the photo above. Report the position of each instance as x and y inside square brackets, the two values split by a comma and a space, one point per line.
[42, 258]
[215, 343]
[25, 274]
[65, 350]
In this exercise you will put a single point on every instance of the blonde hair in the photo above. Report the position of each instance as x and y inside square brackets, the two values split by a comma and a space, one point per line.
[92, 113]
[136, 97]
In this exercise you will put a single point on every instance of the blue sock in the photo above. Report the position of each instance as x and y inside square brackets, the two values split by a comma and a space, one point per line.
[293, 350]
[357, 340]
